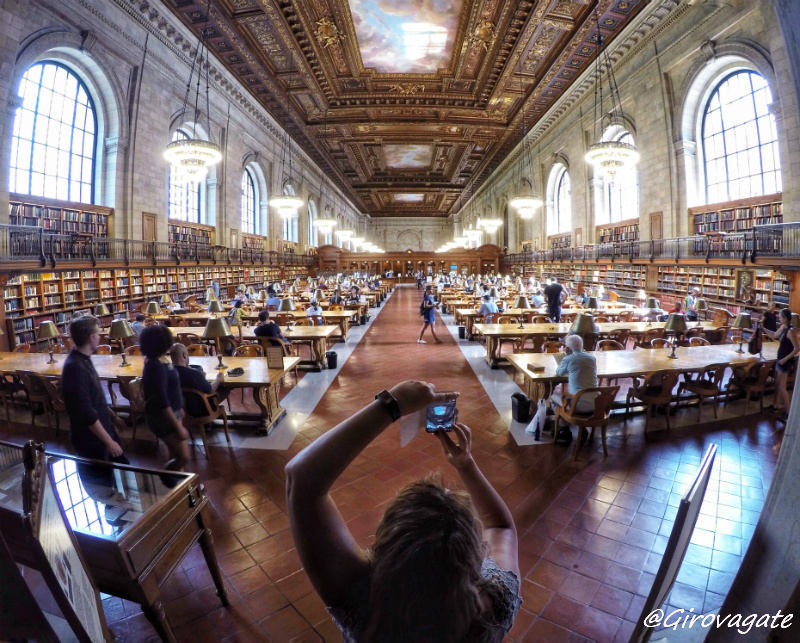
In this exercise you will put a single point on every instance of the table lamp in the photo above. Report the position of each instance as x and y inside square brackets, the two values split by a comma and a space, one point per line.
[592, 303]
[101, 309]
[165, 299]
[676, 322]
[652, 304]
[120, 329]
[217, 328]
[318, 295]
[521, 303]
[152, 308]
[292, 291]
[251, 291]
[210, 294]
[215, 306]
[493, 293]
[583, 325]
[48, 330]
[743, 322]
[262, 295]
[242, 287]
[701, 305]
[641, 295]
[287, 306]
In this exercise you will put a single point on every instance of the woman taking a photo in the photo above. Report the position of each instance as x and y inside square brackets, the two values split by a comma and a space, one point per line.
[787, 351]
[437, 572]
[161, 385]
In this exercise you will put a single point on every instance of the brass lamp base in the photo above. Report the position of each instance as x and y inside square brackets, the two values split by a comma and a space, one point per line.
[220, 366]
[51, 361]
[673, 355]
[740, 351]
[125, 361]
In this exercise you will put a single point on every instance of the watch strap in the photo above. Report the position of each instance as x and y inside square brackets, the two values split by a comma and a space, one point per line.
[387, 399]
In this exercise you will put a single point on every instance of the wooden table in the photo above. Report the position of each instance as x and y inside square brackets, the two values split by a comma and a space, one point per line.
[264, 381]
[315, 336]
[494, 332]
[632, 362]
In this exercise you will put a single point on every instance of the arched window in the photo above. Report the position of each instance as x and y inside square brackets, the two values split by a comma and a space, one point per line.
[249, 202]
[559, 204]
[184, 198]
[740, 140]
[620, 198]
[290, 228]
[54, 138]
[313, 233]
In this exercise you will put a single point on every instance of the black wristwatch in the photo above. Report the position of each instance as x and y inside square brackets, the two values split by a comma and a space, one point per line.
[387, 399]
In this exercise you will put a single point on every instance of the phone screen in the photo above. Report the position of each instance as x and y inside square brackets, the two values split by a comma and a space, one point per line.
[441, 416]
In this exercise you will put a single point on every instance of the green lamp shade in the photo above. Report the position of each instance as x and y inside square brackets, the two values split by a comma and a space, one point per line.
[651, 303]
[592, 303]
[262, 296]
[152, 308]
[214, 306]
[101, 309]
[641, 294]
[701, 304]
[582, 325]
[47, 330]
[251, 290]
[493, 293]
[522, 302]
[165, 299]
[318, 295]
[216, 328]
[676, 322]
[743, 321]
[120, 329]
[287, 305]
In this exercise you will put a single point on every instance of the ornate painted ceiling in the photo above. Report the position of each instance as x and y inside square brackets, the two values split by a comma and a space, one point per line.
[406, 103]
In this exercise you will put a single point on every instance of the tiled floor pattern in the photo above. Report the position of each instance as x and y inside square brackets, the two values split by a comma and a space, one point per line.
[592, 531]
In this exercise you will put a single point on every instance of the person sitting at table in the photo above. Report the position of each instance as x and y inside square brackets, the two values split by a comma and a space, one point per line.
[677, 308]
[237, 313]
[240, 296]
[580, 368]
[354, 297]
[161, 385]
[336, 298]
[191, 378]
[313, 309]
[488, 306]
[537, 300]
[273, 300]
[444, 564]
[268, 328]
[580, 299]
[138, 326]
[769, 320]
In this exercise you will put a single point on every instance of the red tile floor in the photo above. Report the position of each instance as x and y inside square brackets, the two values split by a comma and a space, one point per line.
[592, 531]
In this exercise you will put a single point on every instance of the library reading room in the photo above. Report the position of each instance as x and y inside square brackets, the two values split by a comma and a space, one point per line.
[520, 276]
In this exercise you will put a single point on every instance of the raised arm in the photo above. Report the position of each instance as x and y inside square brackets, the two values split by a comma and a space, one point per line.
[327, 549]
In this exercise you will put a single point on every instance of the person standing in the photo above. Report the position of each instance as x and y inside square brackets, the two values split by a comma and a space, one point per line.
[690, 304]
[92, 424]
[428, 315]
[769, 321]
[787, 351]
[555, 296]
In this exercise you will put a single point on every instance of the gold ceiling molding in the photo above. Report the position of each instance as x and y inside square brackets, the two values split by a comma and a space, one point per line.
[407, 89]
[484, 34]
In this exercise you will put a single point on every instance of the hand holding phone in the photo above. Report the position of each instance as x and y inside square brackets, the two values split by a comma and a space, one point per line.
[441, 417]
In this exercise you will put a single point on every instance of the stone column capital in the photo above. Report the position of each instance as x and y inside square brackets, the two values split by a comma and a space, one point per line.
[685, 148]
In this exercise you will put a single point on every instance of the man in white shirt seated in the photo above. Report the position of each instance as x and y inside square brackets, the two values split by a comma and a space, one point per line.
[488, 306]
[580, 368]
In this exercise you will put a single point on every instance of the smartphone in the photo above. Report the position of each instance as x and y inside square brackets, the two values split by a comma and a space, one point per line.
[441, 417]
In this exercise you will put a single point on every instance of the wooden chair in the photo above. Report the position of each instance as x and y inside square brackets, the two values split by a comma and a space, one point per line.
[540, 319]
[649, 335]
[625, 315]
[132, 350]
[705, 383]
[190, 301]
[53, 388]
[103, 349]
[718, 335]
[567, 411]
[601, 319]
[489, 318]
[537, 342]
[150, 322]
[35, 392]
[213, 410]
[187, 339]
[514, 341]
[196, 323]
[750, 377]
[553, 347]
[609, 345]
[699, 341]
[568, 318]
[619, 335]
[131, 389]
[653, 389]
[660, 342]
[22, 348]
[316, 320]
[335, 307]
[9, 387]
[177, 321]
[198, 350]
[249, 350]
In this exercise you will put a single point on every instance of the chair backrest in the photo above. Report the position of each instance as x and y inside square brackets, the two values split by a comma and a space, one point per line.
[248, 350]
[653, 333]
[620, 335]
[625, 315]
[267, 342]
[32, 383]
[197, 350]
[540, 319]
[553, 347]
[714, 373]
[609, 345]
[22, 348]
[601, 319]
[150, 322]
[53, 388]
[665, 380]
[187, 339]
[660, 342]
[103, 349]
[335, 307]
[132, 390]
[604, 398]
[488, 318]
[316, 320]
[177, 320]
[506, 319]
[693, 332]
[699, 341]
[191, 299]
[133, 350]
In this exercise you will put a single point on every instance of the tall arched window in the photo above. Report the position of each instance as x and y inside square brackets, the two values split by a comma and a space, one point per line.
[290, 228]
[313, 233]
[740, 140]
[184, 198]
[249, 202]
[53, 142]
[618, 200]
[559, 203]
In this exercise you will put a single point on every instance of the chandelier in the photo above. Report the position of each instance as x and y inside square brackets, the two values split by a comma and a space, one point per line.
[191, 156]
[527, 201]
[608, 157]
[287, 203]
[491, 225]
[344, 234]
[325, 225]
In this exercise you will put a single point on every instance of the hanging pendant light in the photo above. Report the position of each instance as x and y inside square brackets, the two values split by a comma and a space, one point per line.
[527, 201]
[190, 155]
[327, 223]
[608, 157]
[344, 234]
[288, 202]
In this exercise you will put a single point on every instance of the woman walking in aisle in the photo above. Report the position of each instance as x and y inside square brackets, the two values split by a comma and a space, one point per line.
[428, 310]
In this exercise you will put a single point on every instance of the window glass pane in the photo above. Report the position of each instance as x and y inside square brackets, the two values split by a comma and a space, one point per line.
[739, 131]
[248, 203]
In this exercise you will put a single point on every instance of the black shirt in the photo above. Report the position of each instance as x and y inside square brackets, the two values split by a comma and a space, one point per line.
[553, 295]
[86, 403]
[269, 329]
[191, 378]
[161, 386]
[770, 321]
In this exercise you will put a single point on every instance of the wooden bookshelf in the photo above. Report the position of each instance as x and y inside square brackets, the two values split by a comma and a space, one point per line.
[619, 232]
[736, 216]
[254, 242]
[560, 241]
[60, 217]
[185, 232]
